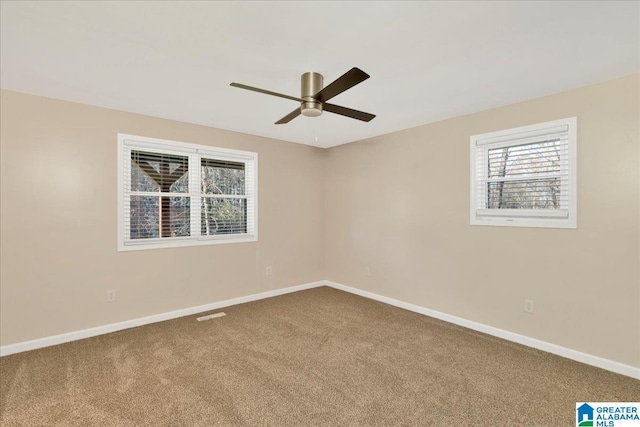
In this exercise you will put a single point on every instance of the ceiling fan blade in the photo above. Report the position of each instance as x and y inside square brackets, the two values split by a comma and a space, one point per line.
[342, 83]
[268, 92]
[344, 111]
[292, 115]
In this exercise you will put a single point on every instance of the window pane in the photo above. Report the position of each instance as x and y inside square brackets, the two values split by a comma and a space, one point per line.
[145, 216]
[180, 217]
[140, 181]
[222, 177]
[223, 216]
[525, 194]
[159, 172]
[526, 160]
[153, 217]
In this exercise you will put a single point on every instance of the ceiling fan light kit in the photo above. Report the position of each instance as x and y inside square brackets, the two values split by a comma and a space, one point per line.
[313, 95]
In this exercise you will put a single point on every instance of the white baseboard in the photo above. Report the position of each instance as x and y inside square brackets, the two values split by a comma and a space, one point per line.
[568, 353]
[113, 327]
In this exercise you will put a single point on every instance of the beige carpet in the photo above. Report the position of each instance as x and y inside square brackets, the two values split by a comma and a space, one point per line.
[320, 357]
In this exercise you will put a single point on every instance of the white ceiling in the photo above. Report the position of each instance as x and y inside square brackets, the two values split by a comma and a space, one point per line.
[428, 61]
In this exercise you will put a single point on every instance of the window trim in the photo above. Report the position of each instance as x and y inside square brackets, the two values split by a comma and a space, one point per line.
[184, 148]
[527, 217]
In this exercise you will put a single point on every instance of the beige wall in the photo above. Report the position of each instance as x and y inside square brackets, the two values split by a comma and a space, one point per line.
[399, 203]
[58, 222]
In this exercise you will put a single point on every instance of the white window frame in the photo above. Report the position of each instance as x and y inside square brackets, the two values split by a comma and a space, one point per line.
[546, 218]
[195, 152]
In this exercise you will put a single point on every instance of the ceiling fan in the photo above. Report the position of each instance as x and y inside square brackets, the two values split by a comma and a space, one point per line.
[313, 97]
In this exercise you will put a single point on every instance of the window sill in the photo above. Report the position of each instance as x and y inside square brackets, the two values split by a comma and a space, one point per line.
[180, 243]
[502, 221]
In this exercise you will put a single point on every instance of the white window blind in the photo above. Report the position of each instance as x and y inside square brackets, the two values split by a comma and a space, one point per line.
[179, 194]
[525, 176]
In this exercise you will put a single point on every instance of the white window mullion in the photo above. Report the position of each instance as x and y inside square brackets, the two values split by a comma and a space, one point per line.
[224, 196]
[525, 177]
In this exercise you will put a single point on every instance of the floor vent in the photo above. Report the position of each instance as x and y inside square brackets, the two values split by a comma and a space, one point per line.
[211, 316]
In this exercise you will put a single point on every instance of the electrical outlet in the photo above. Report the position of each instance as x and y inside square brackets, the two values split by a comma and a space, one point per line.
[269, 271]
[111, 295]
[367, 271]
[529, 306]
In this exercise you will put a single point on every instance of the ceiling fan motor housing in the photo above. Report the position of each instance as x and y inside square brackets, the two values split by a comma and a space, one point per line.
[311, 84]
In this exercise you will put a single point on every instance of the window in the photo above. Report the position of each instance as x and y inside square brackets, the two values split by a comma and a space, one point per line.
[178, 194]
[525, 177]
